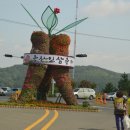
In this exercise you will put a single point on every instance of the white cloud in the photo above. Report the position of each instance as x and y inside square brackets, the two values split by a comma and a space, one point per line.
[106, 7]
[22, 48]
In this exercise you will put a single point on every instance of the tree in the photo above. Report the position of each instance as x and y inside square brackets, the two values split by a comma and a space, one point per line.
[73, 83]
[93, 85]
[87, 84]
[109, 88]
[124, 83]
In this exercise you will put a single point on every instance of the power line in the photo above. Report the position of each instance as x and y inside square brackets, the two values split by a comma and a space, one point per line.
[83, 34]
[15, 22]
[101, 36]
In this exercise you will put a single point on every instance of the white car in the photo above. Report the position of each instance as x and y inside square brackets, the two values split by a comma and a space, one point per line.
[2, 92]
[84, 93]
[6, 90]
[112, 95]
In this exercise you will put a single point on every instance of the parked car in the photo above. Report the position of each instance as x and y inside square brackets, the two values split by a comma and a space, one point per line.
[7, 90]
[112, 95]
[84, 93]
[2, 93]
[16, 89]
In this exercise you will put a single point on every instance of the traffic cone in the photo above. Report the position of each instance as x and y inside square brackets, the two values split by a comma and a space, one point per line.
[104, 100]
[96, 98]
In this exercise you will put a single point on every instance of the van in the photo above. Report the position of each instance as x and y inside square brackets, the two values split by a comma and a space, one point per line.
[84, 93]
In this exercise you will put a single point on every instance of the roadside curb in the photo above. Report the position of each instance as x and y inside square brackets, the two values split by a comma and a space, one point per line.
[60, 109]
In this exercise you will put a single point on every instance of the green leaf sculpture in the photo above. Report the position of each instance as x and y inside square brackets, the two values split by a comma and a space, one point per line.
[50, 20]
[31, 16]
[71, 25]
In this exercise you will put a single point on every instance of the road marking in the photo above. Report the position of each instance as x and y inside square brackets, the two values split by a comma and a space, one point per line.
[38, 121]
[51, 121]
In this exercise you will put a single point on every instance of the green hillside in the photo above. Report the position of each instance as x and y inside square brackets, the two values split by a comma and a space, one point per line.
[14, 76]
[97, 75]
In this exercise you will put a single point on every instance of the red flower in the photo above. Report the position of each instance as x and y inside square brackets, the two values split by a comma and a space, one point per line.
[56, 10]
[26, 59]
[27, 86]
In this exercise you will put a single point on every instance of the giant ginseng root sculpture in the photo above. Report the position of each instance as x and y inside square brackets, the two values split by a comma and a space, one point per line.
[58, 60]
[35, 73]
[59, 45]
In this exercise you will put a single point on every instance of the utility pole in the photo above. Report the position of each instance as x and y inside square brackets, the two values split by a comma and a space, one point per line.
[75, 36]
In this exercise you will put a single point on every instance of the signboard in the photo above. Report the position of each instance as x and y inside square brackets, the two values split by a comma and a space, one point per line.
[48, 59]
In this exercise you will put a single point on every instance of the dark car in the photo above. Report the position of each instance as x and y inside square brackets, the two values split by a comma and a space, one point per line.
[16, 89]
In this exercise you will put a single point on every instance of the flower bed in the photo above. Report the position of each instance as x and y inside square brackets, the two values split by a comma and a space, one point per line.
[48, 105]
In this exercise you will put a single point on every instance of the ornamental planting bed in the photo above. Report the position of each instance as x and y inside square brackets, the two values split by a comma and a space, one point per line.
[49, 105]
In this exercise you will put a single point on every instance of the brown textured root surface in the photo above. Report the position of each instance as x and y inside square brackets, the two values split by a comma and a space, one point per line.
[35, 73]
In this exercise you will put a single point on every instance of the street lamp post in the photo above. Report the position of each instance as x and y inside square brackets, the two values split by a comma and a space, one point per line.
[10, 56]
[81, 55]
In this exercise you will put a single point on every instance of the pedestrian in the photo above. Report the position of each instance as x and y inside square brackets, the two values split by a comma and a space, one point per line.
[128, 104]
[119, 110]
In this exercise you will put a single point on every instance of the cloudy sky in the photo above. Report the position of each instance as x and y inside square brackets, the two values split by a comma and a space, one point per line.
[104, 36]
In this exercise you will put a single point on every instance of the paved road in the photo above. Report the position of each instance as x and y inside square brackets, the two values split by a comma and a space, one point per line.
[19, 119]
[103, 120]
[4, 98]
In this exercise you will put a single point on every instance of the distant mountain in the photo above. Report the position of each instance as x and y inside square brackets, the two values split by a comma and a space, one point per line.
[97, 75]
[14, 76]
